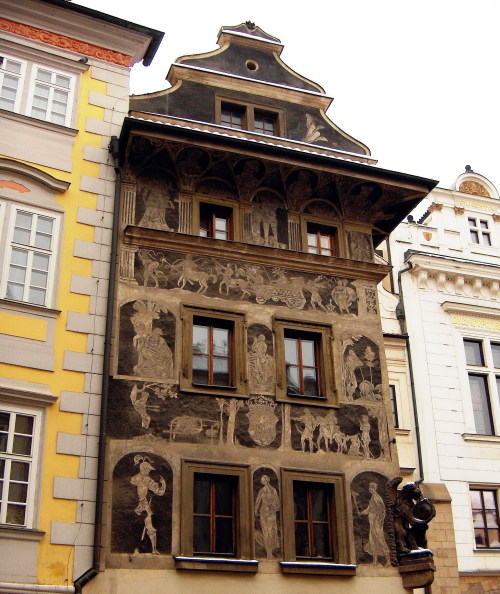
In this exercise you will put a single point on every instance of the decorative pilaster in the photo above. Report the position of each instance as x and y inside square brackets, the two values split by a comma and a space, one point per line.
[294, 238]
[128, 204]
[185, 215]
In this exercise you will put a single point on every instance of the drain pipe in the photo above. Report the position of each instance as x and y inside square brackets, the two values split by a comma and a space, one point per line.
[114, 150]
[400, 314]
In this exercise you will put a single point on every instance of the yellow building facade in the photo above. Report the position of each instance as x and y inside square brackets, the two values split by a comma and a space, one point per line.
[64, 78]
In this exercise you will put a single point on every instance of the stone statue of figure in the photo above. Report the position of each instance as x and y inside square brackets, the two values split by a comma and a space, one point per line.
[376, 545]
[144, 483]
[267, 506]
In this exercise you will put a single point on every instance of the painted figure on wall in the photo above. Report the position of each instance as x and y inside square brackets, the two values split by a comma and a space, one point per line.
[376, 545]
[144, 485]
[267, 505]
[155, 207]
[361, 369]
[261, 365]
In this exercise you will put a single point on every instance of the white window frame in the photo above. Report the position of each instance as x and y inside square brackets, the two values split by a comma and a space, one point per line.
[14, 208]
[52, 86]
[26, 89]
[33, 460]
[483, 487]
[22, 77]
[487, 370]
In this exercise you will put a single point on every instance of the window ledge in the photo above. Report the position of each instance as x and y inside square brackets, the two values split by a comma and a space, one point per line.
[488, 550]
[476, 437]
[317, 568]
[217, 564]
[402, 432]
[323, 403]
[9, 532]
[30, 307]
[35, 122]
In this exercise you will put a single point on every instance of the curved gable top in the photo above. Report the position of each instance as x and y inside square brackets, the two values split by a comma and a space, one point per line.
[46, 181]
[475, 184]
[248, 51]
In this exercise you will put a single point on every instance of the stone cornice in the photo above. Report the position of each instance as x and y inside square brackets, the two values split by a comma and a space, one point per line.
[456, 277]
[52, 184]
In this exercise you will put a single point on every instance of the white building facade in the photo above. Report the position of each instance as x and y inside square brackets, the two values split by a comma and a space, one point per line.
[446, 272]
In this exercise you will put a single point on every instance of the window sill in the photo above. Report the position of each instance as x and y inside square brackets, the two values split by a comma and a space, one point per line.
[36, 123]
[309, 401]
[217, 564]
[30, 307]
[9, 532]
[478, 438]
[317, 568]
[486, 550]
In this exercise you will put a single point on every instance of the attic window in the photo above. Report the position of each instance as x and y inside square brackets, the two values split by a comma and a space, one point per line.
[232, 116]
[241, 116]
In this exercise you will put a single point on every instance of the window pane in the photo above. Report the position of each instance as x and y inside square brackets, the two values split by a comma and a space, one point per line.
[57, 119]
[62, 81]
[19, 257]
[200, 369]
[473, 352]
[16, 514]
[300, 501]
[224, 489]
[3, 442]
[18, 492]
[43, 241]
[201, 494]
[308, 357]
[310, 382]
[22, 236]
[4, 421]
[318, 503]
[224, 536]
[301, 540]
[474, 236]
[24, 424]
[39, 279]
[20, 471]
[14, 292]
[43, 75]
[495, 352]
[221, 372]
[37, 296]
[201, 534]
[21, 445]
[292, 380]
[221, 341]
[17, 275]
[480, 404]
[200, 339]
[41, 261]
[12, 66]
[291, 354]
[321, 541]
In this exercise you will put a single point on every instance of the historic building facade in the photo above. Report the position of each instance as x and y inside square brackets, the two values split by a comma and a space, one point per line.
[250, 443]
[64, 72]
[445, 291]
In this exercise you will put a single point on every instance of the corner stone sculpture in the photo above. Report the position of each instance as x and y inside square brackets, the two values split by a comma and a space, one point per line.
[412, 514]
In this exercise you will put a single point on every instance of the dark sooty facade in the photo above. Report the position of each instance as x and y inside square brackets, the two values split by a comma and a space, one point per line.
[249, 432]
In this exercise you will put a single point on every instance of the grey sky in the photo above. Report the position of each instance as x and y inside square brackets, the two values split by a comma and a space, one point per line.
[417, 82]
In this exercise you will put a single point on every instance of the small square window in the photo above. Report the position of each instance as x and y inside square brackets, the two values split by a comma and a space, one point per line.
[479, 231]
[212, 363]
[485, 517]
[265, 123]
[321, 240]
[216, 221]
[233, 116]
[304, 361]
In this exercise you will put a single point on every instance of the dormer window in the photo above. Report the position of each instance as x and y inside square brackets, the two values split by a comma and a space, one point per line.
[241, 116]
[479, 231]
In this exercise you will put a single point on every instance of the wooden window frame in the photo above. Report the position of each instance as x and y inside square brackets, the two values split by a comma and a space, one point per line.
[213, 208]
[333, 226]
[340, 564]
[249, 111]
[243, 559]
[239, 385]
[199, 201]
[481, 489]
[324, 363]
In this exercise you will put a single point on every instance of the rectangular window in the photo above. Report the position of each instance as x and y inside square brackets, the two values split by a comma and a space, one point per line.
[36, 91]
[18, 438]
[215, 221]
[314, 517]
[212, 351]
[313, 505]
[211, 360]
[31, 257]
[233, 116]
[215, 512]
[265, 123]
[11, 81]
[304, 361]
[485, 517]
[394, 405]
[321, 239]
[242, 116]
[482, 360]
[479, 231]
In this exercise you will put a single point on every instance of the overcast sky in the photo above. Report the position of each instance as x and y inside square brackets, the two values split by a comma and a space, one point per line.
[417, 82]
